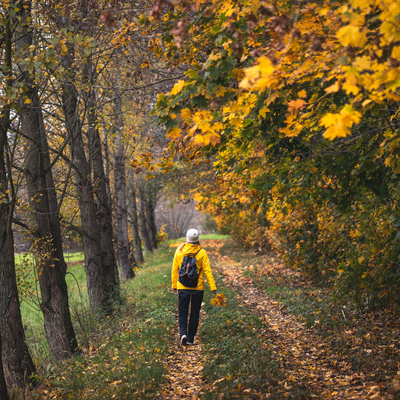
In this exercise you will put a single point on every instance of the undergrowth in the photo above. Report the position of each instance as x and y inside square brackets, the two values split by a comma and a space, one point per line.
[122, 356]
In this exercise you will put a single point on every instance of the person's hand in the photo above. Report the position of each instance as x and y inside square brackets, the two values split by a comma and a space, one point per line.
[214, 291]
[174, 290]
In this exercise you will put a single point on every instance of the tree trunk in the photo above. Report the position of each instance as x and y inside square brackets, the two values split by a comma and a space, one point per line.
[150, 205]
[104, 214]
[48, 239]
[3, 387]
[120, 184]
[142, 221]
[95, 276]
[106, 161]
[17, 362]
[137, 244]
[14, 354]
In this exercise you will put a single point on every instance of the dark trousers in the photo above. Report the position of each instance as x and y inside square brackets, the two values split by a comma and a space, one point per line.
[195, 301]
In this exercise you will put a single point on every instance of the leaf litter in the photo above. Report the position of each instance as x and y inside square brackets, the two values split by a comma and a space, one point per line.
[306, 356]
[184, 369]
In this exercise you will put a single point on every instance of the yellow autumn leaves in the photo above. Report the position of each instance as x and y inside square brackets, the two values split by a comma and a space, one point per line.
[338, 125]
[178, 87]
[258, 77]
[351, 35]
[204, 130]
[335, 49]
[219, 300]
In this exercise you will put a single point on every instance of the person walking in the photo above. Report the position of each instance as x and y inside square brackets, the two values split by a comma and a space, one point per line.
[192, 296]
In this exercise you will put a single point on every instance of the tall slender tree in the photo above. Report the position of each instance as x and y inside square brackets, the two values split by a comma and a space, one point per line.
[150, 205]
[144, 231]
[132, 211]
[17, 362]
[95, 275]
[103, 200]
[120, 182]
[43, 199]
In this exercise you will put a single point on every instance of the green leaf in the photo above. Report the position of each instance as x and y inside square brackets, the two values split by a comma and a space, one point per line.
[213, 72]
[192, 74]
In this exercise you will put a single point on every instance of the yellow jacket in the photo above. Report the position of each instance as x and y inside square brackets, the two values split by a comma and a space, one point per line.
[202, 263]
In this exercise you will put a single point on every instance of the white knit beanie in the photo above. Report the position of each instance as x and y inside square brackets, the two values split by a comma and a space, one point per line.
[192, 236]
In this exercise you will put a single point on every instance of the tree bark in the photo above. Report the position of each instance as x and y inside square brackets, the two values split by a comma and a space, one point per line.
[106, 161]
[95, 275]
[17, 362]
[3, 387]
[142, 221]
[137, 243]
[120, 184]
[104, 214]
[150, 218]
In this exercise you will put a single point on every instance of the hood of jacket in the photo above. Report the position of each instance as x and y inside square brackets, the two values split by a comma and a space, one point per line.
[188, 248]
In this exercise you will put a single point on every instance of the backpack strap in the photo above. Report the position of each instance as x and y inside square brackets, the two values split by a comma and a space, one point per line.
[195, 256]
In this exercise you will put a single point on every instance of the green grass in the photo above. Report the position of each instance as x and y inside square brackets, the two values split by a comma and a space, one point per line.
[74, 257]
[32, 317]
[313, 305]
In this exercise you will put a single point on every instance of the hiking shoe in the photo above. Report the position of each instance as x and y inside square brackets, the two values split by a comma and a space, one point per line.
[190, 341]
[183, 340]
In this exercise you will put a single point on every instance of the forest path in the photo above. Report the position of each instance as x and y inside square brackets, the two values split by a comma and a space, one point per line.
[184, 370]
[306, 358]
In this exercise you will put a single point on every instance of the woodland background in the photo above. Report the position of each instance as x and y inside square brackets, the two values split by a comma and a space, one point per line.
[123, 123]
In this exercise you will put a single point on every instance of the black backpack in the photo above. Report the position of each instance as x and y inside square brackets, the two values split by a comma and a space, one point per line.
[188, 274]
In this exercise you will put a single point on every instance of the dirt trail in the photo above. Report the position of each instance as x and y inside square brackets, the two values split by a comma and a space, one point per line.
[184, 370]
[184, 376]
[306, 356]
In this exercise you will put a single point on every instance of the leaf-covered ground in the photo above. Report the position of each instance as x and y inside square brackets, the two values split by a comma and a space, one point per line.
[184, 370]
[277, 337]
[356, 357]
